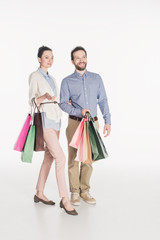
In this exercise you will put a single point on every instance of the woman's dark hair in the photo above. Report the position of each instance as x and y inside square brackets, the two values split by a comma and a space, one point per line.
[77, 49]
[42, 49]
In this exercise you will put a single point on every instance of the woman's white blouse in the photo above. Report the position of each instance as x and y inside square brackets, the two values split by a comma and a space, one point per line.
[38, 86]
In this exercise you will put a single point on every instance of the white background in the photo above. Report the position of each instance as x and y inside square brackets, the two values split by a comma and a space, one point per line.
[122, 40]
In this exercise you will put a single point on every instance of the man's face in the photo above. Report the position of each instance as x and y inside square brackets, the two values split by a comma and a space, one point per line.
[80, 60]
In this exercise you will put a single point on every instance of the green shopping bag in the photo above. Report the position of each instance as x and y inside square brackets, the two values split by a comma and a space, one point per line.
[29, 145]
[98, 148]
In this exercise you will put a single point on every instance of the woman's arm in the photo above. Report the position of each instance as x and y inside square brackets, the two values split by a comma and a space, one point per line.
[33, 92]
[45, 96]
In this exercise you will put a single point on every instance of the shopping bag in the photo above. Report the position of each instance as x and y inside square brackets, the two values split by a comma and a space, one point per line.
[37, 121]
[39, 140]
[79, 156]
[75, 141]
[23, 134]
[87, 153]
[84, 153]
[98, 148]
[29, 145]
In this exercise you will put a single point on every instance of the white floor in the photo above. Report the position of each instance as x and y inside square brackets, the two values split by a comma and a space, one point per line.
[127, 194]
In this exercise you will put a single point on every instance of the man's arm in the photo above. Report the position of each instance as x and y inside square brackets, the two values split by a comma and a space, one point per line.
[103, 105]
[64, 100]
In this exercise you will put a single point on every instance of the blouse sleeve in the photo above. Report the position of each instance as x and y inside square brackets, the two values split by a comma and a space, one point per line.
[33, 89]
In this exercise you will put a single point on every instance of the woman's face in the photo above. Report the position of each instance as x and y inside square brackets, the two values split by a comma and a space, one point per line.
[46, 59]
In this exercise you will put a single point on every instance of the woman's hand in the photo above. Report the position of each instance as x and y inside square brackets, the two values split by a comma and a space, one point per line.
[45, 96]
[53, 98]
[70, 103]
[48, 96]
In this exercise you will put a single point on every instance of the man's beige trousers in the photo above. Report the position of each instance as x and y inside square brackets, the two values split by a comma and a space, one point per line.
[79, 179]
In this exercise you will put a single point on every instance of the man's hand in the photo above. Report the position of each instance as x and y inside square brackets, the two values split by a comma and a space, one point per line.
[83, 112]
[107, 127]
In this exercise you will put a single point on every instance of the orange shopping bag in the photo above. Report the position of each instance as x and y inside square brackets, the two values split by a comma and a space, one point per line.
[87, 153]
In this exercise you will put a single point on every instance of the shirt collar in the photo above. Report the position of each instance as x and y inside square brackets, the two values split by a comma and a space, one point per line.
[79, 75]
[43, 73]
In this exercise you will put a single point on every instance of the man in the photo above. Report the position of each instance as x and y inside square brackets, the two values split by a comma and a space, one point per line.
[84, 90]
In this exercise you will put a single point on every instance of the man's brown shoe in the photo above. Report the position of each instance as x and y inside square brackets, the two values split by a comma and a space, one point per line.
[37, 199]
[88, 198]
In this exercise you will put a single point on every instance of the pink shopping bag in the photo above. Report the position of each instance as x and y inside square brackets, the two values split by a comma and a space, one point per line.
[22, 136]
[79, 156]
[77, 135]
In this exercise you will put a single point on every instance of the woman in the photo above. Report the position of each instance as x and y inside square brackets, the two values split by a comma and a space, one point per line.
[43, 88]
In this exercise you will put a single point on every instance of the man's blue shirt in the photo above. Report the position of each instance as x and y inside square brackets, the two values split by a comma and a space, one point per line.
[84, 92]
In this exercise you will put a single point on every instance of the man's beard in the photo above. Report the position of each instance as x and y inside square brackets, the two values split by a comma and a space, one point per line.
[80, 68]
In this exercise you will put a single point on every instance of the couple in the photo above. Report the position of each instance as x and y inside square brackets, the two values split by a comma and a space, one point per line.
[80, 93]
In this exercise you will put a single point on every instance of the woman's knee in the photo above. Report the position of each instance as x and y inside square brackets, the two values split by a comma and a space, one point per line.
[60, 160]
[48, 161]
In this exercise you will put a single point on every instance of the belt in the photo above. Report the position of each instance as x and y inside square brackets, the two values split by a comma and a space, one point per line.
[79, 119]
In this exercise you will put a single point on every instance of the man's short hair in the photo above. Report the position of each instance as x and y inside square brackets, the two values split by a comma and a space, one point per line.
[77, 49]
